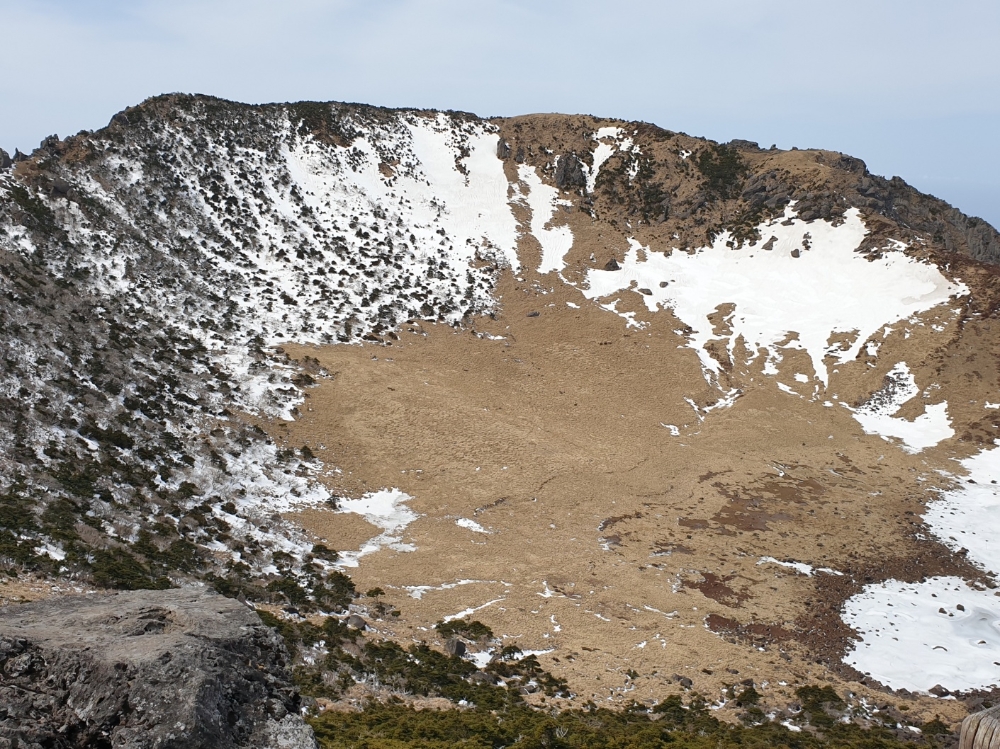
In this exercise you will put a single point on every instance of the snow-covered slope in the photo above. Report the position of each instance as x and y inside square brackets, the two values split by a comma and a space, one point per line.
[202, 233]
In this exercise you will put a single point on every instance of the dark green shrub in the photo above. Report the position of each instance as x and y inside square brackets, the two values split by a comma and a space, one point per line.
[474, 630]
[114, 568]
[723, 170]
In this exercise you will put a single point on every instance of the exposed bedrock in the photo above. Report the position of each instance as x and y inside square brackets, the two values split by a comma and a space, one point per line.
[144, 669]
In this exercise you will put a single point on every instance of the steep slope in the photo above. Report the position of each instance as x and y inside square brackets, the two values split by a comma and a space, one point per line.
[716, 386]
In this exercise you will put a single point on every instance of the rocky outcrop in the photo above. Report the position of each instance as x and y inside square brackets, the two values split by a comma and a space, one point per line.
[145, 670]
[569, 172]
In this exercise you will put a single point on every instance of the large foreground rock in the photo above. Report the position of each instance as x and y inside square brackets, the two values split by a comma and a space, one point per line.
[144, 669]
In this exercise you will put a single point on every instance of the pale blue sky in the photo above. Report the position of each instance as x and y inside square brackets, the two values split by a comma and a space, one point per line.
[913, 88]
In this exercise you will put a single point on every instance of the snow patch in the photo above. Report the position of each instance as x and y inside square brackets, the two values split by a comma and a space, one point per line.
[809, 286]
[903, 624]
[543, 200]
[801, 567]
[385, 509]
[471, 525]
[609, 140]
[417, 591]
[876, 416]
[968, 516]
[467, 612]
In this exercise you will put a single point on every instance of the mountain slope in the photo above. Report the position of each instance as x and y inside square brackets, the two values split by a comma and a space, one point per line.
[754, 342]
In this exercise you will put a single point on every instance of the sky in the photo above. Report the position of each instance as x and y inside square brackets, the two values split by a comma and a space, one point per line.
[912, 87]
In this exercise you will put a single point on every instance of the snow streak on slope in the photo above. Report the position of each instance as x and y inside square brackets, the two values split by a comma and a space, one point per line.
[609, 140]
[478, 215]
[796, 288]
[543, 201]
[876, 416]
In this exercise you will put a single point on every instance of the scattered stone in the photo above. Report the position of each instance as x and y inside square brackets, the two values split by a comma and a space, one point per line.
[769, 244]
[796, 253]
[5, 162]
[503, 149]
[533, 313]
[612, 264]
[144, 670]
[455, 647]
[939, 691]
[356, 622]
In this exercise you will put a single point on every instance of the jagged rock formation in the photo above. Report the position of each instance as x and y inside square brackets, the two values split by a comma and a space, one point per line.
[145, 670]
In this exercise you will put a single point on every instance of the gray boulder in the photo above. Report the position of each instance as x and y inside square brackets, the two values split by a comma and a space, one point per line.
[60, 187]
[145, 670]
[5, 161]
[454, 646]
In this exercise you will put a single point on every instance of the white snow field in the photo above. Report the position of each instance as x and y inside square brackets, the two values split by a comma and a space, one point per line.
[901, 622]
[915, 636]
[968, 516]
[783, 300]
[385, 509]
[876, 416]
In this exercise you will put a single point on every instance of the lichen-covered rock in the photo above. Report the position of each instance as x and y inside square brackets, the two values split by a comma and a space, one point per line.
[145, 670]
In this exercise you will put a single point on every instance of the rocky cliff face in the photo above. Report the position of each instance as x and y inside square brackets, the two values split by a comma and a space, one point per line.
[156, 669]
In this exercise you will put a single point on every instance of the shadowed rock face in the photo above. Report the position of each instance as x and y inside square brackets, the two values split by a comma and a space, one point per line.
[144, 669]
